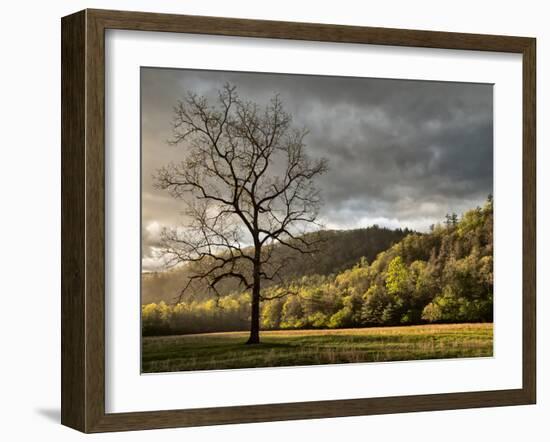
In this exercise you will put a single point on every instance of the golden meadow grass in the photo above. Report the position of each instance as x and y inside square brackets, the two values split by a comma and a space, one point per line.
[214, 351]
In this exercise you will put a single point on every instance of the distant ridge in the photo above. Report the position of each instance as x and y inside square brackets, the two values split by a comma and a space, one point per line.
[338, 250]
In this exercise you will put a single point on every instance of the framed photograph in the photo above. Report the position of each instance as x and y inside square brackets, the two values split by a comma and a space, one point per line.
[267, 221]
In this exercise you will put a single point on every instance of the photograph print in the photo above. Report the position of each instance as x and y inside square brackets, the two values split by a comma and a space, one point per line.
[298, 220]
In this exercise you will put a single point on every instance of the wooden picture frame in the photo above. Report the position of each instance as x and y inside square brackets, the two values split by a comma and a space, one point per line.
[83, 220]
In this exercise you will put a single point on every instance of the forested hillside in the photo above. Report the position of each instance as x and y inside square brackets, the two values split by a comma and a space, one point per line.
[337, 250]
[439, 277]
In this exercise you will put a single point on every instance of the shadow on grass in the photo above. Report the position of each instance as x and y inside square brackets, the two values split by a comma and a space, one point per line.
[228, 351]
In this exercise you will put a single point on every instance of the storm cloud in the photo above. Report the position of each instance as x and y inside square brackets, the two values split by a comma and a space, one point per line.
[401, 153]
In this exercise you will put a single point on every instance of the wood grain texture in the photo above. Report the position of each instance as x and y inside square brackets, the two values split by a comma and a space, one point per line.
[529, 221]
[144, 21]
[73, 254]
[95, 221]
[83, 220]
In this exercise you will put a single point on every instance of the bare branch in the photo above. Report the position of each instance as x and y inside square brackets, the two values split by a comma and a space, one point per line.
[246, 185]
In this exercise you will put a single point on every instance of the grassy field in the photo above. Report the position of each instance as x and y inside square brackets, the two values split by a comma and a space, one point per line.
[214, 351]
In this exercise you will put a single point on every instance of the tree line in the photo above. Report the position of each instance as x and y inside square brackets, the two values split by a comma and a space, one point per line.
[443, 276]
[339, 250]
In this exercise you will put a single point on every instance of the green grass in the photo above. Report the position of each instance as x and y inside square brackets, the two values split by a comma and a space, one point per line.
[215, 351]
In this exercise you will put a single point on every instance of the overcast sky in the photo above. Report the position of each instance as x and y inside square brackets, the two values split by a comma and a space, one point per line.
[401, 153]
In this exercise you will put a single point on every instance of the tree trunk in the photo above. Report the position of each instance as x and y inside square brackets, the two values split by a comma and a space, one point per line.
[255, 309]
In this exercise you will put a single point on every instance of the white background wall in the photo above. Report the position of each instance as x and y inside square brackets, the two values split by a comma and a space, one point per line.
[30, 217]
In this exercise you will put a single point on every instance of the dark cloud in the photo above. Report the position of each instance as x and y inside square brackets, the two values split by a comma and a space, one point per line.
[401, 153]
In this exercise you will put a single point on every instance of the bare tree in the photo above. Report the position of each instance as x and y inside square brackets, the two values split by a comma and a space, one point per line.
[246, 184]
